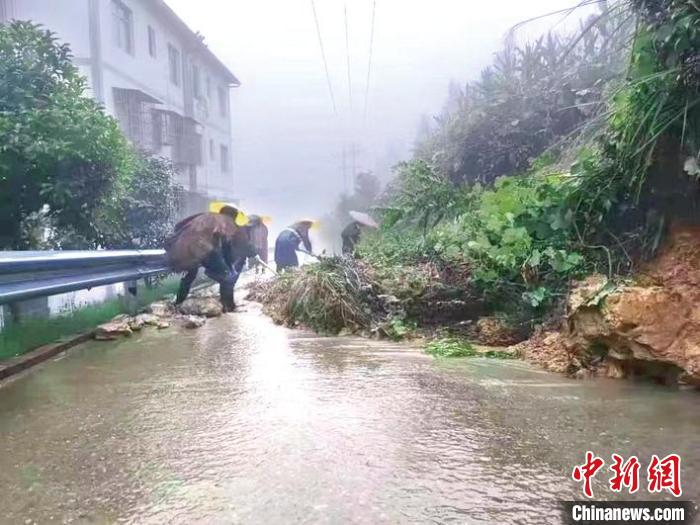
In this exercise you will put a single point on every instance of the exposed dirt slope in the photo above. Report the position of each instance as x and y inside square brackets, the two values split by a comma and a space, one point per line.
[649, 327]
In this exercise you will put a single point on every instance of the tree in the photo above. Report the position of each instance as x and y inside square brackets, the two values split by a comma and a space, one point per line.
[366, 192]
[58, 149]
[534, 97]
[146, 213]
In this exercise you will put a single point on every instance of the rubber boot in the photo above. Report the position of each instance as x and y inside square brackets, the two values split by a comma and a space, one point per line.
[185, 285]
[226, 293]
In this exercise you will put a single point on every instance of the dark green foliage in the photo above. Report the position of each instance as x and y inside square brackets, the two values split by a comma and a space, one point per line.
[514, 240]
[532, 98]
[527, 236]
[57, 147]
[421, 196]
[65, 167]
[394, 245]
[641, 173]
[146, 213]
[450, 348]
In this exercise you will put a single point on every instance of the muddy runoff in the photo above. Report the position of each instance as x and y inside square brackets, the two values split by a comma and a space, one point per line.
[242, 421]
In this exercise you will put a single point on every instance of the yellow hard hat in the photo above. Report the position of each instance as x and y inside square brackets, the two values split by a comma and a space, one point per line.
[314, 223]
[218, 206]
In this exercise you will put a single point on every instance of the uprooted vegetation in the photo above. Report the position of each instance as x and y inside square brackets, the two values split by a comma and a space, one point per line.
[506, 205]
[329, 296]
[344, 294]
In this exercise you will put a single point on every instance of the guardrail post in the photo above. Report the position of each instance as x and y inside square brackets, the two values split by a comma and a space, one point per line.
[6, 316]
[130, 299]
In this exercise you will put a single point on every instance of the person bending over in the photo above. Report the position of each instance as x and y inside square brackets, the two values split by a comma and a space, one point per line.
[205, 240]
[289, 241]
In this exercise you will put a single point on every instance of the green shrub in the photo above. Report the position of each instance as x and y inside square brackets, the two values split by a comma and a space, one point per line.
[57, 146]
[394, 246]
[516, 238]
[535, 96]
[451, 347]
[641, 173]
[65, 167]
[143, 214]
[421, 196]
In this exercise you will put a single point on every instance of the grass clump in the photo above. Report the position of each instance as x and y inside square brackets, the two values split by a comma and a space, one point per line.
[453, 347]
[329, 296]
[17, 339]
[450, 348]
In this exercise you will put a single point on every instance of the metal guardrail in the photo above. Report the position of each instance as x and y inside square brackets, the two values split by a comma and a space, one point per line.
[28, 275]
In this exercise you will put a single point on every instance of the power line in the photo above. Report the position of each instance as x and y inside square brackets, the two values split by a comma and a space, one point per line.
[347, 52]
[369, 62]
[323, 55]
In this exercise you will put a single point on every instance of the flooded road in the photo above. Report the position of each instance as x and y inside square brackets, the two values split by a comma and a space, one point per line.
[245, 422]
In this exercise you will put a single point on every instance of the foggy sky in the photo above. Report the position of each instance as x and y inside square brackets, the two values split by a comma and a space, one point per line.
[287, 138]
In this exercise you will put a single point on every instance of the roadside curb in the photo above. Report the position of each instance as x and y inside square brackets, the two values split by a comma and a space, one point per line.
[23, 362]
[43, 353]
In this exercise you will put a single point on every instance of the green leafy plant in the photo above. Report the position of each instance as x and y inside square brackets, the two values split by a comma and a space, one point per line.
[144, 213]
[399, 329]
[453, 348]
[57, 146]
[638, 176]
[65, 167]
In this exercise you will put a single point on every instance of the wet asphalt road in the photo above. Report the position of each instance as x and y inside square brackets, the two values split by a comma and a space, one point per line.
[243, 421]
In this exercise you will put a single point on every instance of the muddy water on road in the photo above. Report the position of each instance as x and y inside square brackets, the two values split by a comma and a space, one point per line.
[246, 422]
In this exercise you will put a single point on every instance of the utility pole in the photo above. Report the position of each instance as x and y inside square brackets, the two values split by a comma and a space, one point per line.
[349, 164]
[354, 150]
[345, 170]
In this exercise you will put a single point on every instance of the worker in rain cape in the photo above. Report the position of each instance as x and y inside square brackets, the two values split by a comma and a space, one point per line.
[258, 234]
[289, 241]
[352, 232]
[351, 236]
[208, 240]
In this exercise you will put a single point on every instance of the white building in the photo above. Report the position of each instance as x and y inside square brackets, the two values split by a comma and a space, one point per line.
[169, 92]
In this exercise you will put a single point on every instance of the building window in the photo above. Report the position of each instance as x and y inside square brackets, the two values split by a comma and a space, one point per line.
[223, 102]
[208, 86]
[175, 65]
[152, 42]
[196, 82]
[224, 159]
[123, 26]
[212, 150]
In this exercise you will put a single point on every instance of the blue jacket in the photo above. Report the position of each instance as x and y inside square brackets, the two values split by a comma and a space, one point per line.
[286, 246]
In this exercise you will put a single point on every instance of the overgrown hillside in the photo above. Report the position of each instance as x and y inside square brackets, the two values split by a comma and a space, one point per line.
[570, 156]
